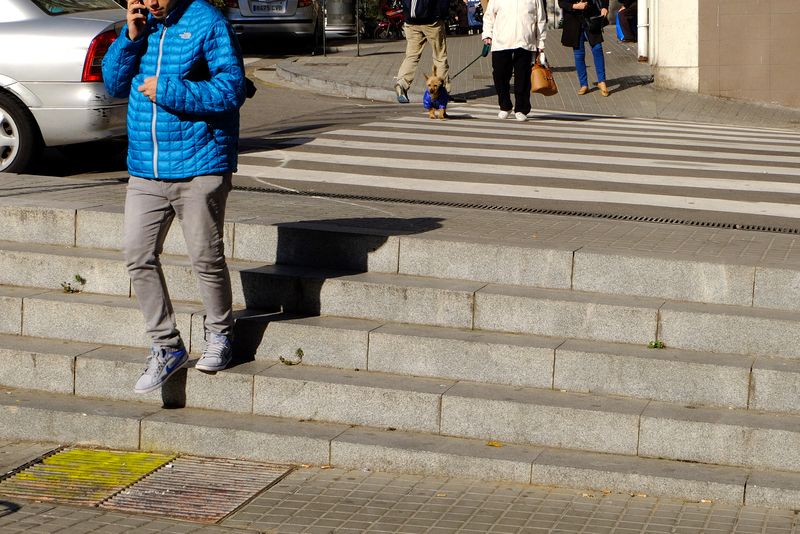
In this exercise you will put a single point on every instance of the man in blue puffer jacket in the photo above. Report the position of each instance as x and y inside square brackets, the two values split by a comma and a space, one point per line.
[180, 66]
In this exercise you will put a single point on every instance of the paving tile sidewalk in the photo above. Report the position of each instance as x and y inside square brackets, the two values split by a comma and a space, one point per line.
[319, 500]
[701, 243]
[370, 75]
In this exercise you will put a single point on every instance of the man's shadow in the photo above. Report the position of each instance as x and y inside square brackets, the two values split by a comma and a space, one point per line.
[307, 254]
[310, 252]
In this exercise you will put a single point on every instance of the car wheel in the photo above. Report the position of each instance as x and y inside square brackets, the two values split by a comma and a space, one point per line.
[19, 136]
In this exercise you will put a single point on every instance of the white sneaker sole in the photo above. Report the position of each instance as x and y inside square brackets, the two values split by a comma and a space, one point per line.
[156, 386]
[212, 368]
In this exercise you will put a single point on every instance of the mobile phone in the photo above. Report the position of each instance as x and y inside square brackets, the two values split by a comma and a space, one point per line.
[140, 10]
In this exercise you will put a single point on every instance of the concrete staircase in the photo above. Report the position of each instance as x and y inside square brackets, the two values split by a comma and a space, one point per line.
[405, 352]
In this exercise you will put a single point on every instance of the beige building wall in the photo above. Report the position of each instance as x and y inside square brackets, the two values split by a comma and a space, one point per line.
[750, 50]
[745, 49]
[674, 43]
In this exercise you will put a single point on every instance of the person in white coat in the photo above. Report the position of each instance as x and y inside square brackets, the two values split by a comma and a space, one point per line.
[516, 30]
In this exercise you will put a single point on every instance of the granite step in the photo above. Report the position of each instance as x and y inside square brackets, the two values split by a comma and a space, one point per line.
[26, 415]
[433, 302]
[106, 371]
[411, 249]
[670, 375]
[91, 318]
[719, 328]
[682, 377]
[529, 416]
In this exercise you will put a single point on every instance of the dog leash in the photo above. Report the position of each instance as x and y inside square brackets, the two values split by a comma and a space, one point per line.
[484, 53]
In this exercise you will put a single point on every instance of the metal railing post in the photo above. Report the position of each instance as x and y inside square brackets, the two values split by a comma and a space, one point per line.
[642, 31]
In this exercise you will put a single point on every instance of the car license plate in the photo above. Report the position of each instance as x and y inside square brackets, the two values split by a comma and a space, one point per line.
[268, 7]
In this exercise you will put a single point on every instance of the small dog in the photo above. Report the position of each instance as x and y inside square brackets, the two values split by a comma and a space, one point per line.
[436, 96]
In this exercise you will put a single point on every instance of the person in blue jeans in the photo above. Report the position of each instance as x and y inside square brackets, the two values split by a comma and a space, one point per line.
[577, 31]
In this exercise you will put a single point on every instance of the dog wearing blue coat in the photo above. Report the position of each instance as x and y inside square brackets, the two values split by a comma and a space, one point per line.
[435, 97]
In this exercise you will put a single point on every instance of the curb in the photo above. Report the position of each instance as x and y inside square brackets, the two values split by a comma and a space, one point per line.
[287, 70]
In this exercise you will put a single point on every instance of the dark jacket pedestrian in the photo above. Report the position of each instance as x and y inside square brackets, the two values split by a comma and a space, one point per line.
[577, 31]
[425, 23]
[628, 14]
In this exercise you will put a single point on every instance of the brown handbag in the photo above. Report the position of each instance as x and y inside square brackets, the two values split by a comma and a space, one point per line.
[542, 81]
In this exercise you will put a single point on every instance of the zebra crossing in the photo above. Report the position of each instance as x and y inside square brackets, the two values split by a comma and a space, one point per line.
[573, 158]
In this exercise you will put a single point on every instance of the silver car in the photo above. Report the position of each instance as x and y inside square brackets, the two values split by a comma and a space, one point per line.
[301, 18]
[51, 87]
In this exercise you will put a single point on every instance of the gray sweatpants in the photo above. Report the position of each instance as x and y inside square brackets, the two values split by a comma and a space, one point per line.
[150, 207]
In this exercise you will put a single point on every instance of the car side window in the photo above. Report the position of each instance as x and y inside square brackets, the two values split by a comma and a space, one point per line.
[62, 7]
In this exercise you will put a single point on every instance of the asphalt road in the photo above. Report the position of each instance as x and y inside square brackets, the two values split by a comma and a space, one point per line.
[275, 107]
[664, 171]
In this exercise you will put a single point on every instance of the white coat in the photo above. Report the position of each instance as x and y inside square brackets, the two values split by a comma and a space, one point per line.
[515, 24]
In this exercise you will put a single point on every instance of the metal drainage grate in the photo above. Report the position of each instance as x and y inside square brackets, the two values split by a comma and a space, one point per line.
[198, 489]
[81, 476]
[542, 211]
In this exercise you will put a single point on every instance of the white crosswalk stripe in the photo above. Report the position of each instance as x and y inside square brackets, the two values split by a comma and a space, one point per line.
[554, 156]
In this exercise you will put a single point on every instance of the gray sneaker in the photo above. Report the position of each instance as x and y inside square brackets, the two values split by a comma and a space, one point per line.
[162, 363]
[217, 355]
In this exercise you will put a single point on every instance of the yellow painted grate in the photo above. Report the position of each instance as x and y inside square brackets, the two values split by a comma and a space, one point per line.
[81, 476]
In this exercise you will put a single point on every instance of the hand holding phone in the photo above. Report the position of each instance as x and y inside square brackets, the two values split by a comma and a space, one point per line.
[137, 18]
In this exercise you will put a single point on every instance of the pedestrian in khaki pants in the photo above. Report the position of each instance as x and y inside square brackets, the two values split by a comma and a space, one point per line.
[425, 23]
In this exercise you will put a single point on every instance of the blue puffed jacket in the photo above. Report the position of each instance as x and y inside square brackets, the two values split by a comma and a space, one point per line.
[193, 127]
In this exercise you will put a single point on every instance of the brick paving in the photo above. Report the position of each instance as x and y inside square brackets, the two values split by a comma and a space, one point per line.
[316, 500]
[352, 501]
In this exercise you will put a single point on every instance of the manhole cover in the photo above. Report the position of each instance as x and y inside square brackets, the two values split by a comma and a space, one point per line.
[198, 489]
[81, 476]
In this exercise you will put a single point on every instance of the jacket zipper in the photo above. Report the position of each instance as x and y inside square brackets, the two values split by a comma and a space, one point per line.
[155, 108]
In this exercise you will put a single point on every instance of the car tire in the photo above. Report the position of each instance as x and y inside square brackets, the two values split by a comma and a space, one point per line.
[20, 141]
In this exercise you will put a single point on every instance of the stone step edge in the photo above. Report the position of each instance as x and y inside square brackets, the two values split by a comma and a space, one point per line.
[18, 298]
[476, 288]
[549, 362]
[115, 424]
[472, 288]
[756, 284]
[67, 218]
[643, 427]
